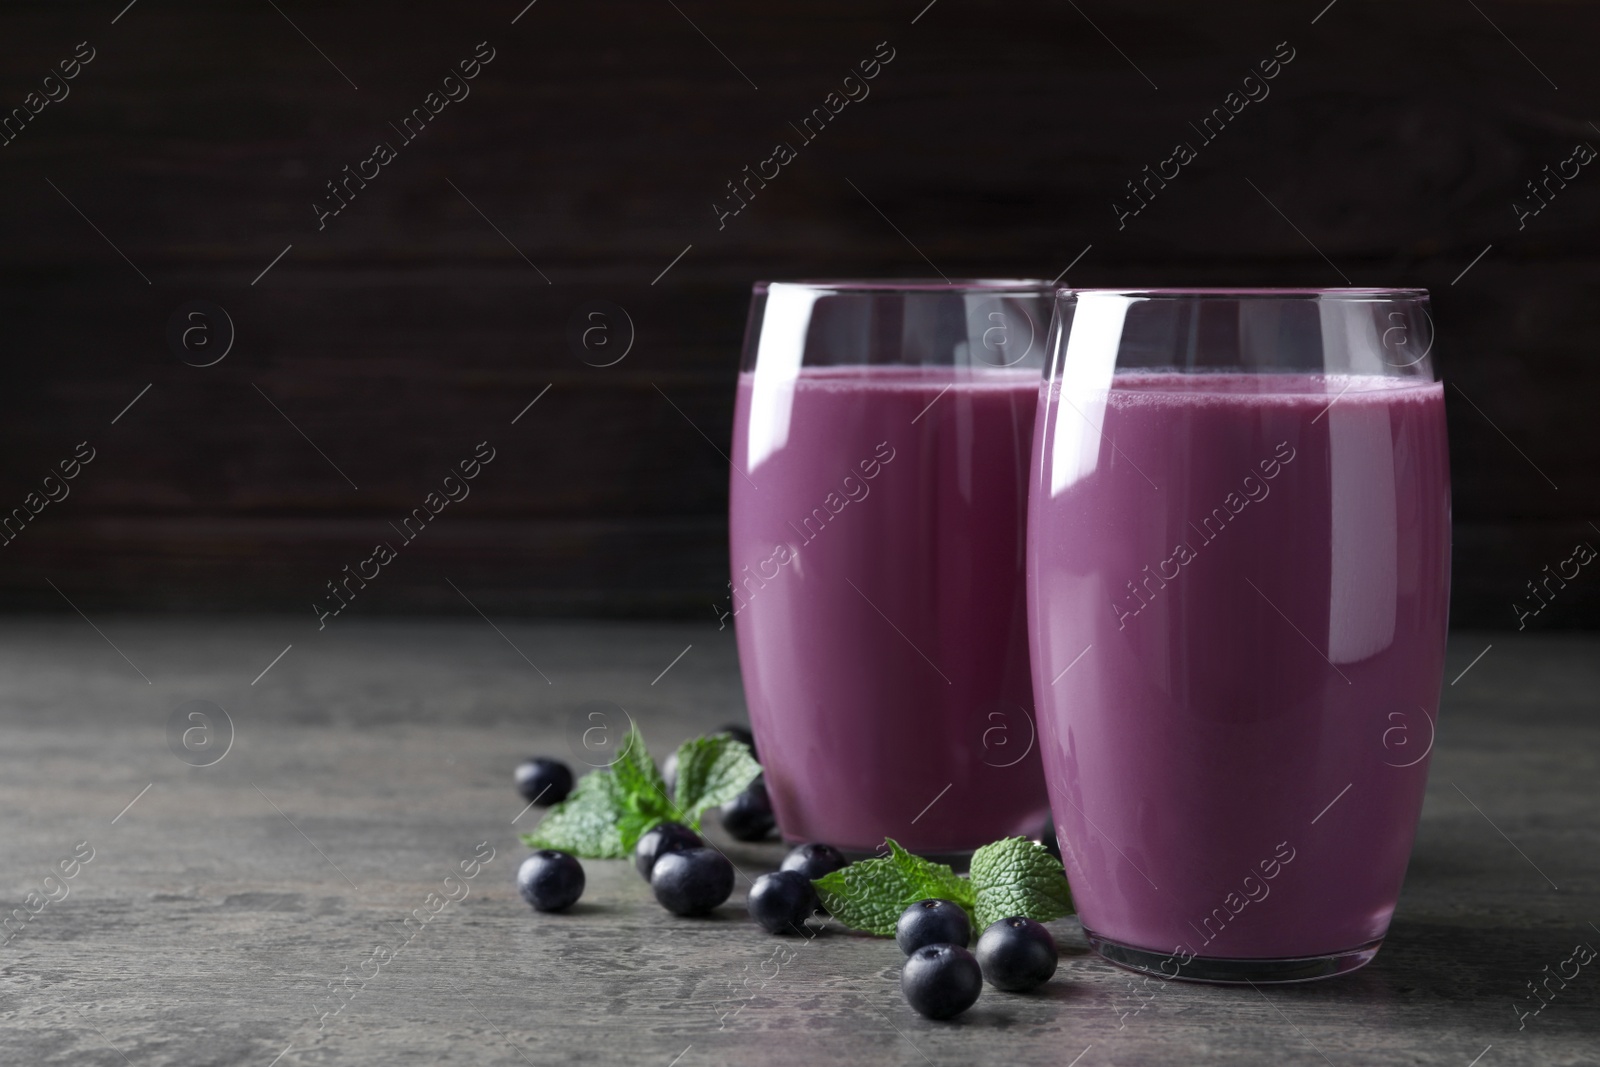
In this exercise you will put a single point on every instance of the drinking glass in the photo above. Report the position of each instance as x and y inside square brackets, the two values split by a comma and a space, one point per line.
[876, 519]
[1238, 583]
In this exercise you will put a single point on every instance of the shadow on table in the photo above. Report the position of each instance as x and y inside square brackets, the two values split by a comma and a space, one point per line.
[1471, 979]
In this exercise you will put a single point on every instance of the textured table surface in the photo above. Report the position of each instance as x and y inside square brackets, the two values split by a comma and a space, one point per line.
[229, 915]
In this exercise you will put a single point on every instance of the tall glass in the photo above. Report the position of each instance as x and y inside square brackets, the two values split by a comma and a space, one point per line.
[1238, 582]
[877, 505]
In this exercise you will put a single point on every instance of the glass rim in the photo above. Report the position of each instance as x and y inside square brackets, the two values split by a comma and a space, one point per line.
[1256, 293]
[911, 285]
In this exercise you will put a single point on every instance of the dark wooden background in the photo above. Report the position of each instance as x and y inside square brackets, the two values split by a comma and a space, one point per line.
[597, 140]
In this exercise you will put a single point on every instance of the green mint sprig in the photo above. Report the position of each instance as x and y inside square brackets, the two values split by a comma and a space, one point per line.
[613, 807]
[1013, 876]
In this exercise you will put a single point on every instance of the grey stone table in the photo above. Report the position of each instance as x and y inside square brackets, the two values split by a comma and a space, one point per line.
[228, 914]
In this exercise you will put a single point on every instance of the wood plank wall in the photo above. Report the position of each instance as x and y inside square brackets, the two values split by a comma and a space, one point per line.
[1392, 149]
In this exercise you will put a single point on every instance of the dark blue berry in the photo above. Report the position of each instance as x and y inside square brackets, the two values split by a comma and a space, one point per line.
[741, 733]
[941, 981]
[669, 774]
[550, 880]
[693, 881]
[1017, 954]
[932, 922]
[543, 781]
[748, 816]
[781, 902]
[658, 841]
[814, 860]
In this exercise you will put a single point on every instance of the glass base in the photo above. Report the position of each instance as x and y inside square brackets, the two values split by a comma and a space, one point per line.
[1262, 971]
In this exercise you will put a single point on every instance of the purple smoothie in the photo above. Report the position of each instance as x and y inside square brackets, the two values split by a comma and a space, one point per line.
[877, 554]
[1261, 577]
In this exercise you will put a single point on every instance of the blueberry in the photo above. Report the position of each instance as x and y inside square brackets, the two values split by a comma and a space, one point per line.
[782, 901]
[693, 881]
[669, 774]
[814, 860]
[658, 841]
[932, 922]
[741, 733]
[543, 781]
[550, 880]
[941, 981]
[1017, 954]
[748, 816]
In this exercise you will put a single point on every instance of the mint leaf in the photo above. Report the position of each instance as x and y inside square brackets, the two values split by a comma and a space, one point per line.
[1010, 877]
[636, 772]
[641, 788]
[931, 879]
[1018, 877]
[587, 823]
[634, 824]
[711, 772]
[870, 894]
